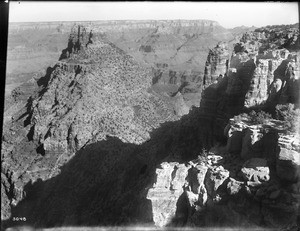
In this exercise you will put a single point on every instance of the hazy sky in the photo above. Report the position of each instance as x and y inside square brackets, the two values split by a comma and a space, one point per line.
[227, 14]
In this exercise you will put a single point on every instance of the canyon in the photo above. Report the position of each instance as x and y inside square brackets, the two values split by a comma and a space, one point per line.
[176, 50]
[114, 134]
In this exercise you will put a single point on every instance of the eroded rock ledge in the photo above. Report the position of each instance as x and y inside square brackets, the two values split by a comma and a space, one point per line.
[251, 182]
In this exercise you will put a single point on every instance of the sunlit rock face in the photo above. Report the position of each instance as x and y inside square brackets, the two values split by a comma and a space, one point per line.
[216, 64]
[180, 106]
[254, 177]
[166, 192]
[262, 70]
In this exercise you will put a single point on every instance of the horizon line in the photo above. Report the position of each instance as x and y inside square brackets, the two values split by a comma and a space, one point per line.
[140, 20]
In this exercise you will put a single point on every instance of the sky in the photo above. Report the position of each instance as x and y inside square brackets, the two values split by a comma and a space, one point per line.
[228, 14]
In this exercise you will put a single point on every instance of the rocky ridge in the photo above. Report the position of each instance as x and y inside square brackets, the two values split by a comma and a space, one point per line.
[95, 91]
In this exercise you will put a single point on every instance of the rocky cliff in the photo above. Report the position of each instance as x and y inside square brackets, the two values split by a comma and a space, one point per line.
[216, 65]
[252, 182]
[256, 75]
[252, 179]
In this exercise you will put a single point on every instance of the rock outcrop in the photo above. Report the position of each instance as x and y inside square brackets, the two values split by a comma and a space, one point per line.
[211, 192]
[180, 106]
[256, 170]
[258, 76]
[166, 191]
[257, 182]
[260, 140]
[216, 65]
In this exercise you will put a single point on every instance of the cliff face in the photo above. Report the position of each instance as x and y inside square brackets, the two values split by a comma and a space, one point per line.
[256, 75]
[253, 180]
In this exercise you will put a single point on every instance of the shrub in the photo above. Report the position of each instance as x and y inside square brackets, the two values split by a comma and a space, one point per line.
[260, 117]
[240, 117]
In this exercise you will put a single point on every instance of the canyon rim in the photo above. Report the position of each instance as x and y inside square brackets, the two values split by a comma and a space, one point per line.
[161, 124]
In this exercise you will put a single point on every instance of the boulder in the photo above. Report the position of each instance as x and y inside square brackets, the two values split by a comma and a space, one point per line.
[256, 170]
[234, 186]
[215, 177]
[215, 159]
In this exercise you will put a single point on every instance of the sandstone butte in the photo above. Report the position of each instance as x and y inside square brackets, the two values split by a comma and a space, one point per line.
[94, 147]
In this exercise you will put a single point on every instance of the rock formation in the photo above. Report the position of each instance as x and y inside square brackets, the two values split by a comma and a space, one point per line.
[257, 182]
[166, 192]
[264, 190]
[180, 106]
[257, 76]
[216, 64]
